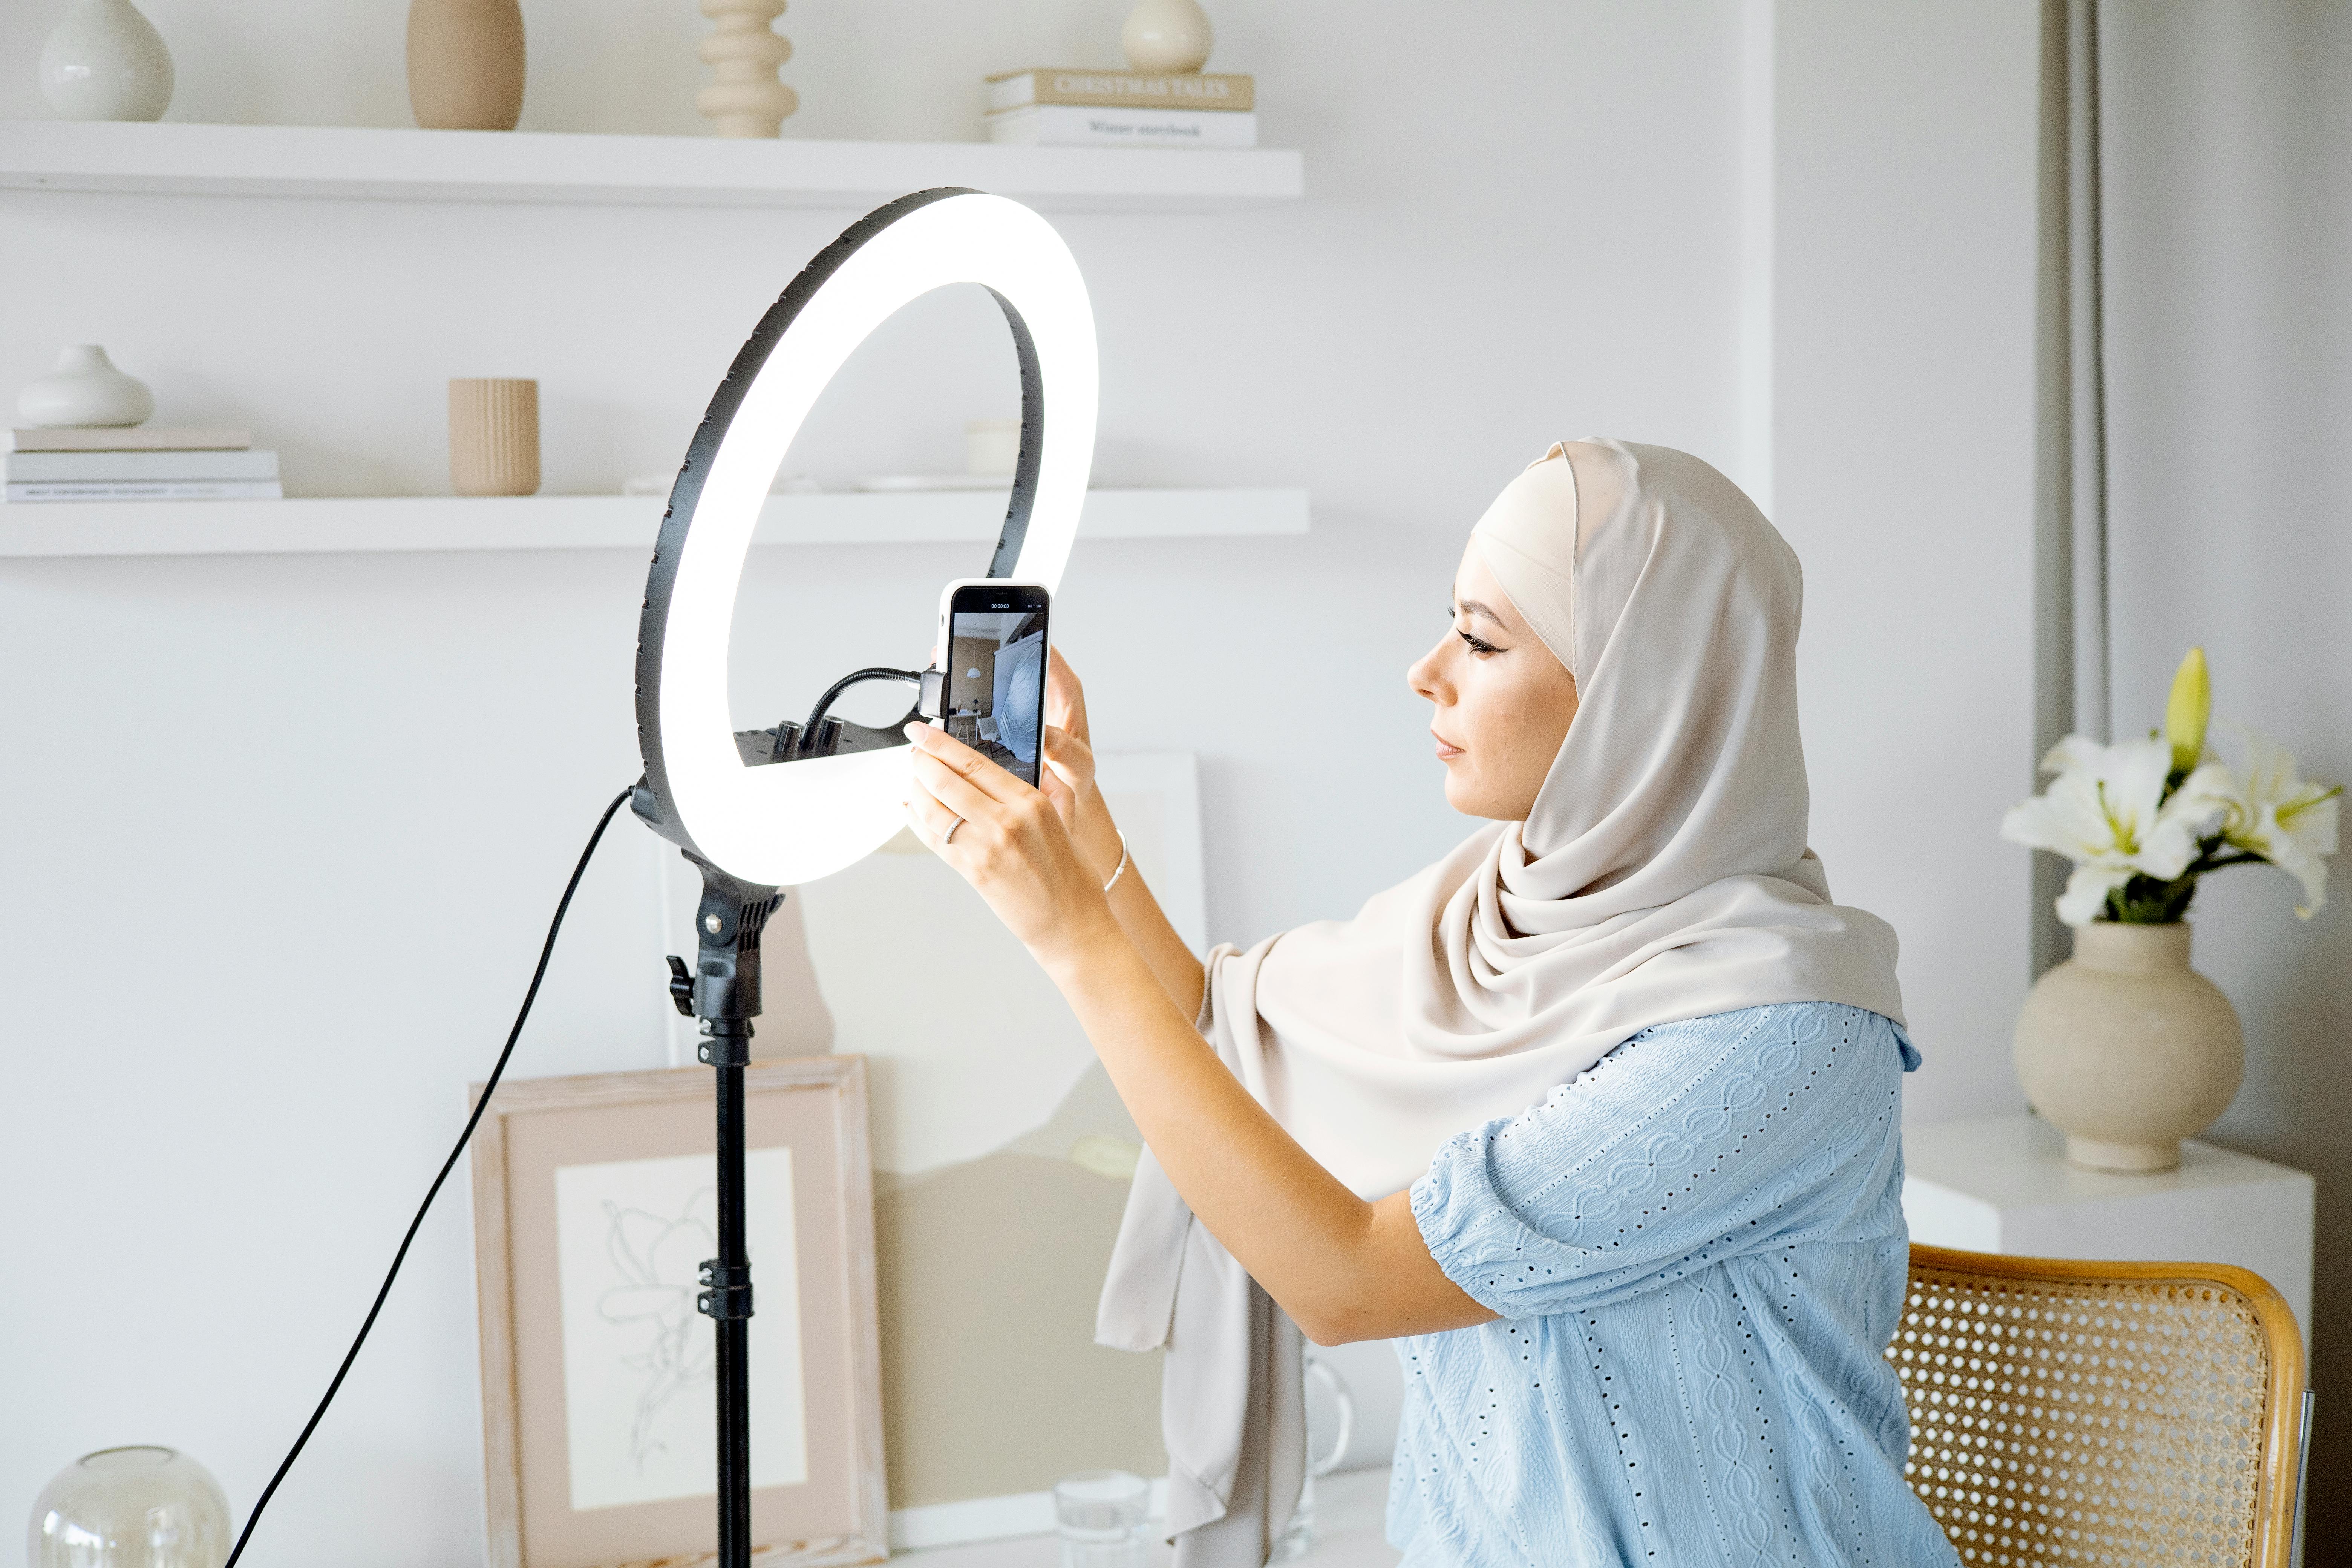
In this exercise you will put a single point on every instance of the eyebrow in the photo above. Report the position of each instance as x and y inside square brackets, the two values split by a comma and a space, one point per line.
[1473, 607]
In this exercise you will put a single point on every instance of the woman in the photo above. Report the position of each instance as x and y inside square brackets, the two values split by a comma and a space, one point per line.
[1598, 1118]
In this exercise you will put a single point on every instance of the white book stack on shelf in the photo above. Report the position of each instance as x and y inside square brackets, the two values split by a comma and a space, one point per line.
[1048, 108]
[136, 463]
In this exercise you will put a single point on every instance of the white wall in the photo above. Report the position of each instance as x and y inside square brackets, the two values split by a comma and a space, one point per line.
[285, 831]
[2228, 149]
[1902, 414]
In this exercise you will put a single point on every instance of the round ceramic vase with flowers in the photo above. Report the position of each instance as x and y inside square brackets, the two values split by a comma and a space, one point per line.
[2124, 1048]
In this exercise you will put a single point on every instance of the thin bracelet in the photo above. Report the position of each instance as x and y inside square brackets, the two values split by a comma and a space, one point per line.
[1115, 875]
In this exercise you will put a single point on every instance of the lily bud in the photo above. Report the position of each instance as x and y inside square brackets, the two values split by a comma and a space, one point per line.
[2186, 710]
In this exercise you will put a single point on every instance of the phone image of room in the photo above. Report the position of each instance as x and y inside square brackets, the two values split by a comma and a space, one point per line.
[996, 686]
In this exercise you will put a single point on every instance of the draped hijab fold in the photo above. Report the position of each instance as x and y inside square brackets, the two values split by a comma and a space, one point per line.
[1662, 874]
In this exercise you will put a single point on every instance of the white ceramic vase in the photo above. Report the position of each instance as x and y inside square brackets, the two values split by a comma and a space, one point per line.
[2127, 1049]
[1167, 36]
[85, 389]
[106, 61]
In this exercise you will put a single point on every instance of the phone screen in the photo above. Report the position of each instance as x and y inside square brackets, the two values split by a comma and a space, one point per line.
[995, 663]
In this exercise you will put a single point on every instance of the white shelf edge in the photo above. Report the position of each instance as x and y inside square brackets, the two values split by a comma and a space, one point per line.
[317, 526]
[369, 163]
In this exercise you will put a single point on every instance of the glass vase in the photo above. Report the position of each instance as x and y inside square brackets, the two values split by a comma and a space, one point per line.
[140, 1507]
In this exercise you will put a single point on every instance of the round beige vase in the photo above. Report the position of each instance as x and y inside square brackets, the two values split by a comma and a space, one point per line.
[2127, 1049]
[465, 63]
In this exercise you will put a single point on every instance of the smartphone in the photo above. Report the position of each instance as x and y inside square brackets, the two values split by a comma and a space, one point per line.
[993, 643]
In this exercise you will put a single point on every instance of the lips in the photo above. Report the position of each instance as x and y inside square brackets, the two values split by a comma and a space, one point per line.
[1446, 750]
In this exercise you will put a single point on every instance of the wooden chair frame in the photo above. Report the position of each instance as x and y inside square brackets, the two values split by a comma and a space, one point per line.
[2277, 1492]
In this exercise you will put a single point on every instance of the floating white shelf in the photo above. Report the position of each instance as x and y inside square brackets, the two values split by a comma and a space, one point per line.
[345, 525]
[625, 171]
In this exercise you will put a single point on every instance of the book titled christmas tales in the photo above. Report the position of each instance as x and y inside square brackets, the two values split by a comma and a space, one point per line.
[1120, 89]
[1067, 125]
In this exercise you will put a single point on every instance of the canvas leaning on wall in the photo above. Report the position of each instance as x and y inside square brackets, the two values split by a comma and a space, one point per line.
[593, 1209]
[1002, 1160]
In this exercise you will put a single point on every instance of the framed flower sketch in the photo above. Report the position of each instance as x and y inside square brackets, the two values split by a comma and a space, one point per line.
[594, 1203]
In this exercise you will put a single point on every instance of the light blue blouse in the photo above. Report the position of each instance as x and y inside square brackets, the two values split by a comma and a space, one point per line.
[1698, 1254]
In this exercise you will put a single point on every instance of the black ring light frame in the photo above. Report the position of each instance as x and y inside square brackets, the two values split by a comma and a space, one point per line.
[722, 989]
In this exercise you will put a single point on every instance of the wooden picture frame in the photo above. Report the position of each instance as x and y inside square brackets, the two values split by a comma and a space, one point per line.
[569, 1265]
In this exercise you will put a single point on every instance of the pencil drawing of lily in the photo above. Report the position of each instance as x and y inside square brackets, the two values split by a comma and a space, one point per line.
[2142, 820]
[657, 1257]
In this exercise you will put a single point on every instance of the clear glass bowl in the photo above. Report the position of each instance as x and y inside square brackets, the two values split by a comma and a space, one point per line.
[1101, 1515]
[140, 1507]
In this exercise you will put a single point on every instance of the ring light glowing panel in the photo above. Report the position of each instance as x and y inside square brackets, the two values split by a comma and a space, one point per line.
[783, 824]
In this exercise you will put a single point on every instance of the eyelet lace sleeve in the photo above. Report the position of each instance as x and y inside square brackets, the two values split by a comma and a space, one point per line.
[1691, 1143]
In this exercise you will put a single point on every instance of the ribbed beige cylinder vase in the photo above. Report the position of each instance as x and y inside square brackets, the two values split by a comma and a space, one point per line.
[2127, 1049]
[494, 437]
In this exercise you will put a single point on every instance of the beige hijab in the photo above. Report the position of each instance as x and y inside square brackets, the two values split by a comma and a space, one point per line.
[1661, 875]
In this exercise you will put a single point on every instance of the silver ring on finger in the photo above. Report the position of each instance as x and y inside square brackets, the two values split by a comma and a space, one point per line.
[949, 836]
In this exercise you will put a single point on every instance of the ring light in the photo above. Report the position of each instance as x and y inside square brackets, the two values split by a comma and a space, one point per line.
[782, 823]
[754, 818]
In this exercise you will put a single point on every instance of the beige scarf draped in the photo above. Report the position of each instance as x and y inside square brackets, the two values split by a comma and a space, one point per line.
[1661, 875]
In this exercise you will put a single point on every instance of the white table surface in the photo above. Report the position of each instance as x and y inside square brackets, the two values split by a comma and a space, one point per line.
[1348, 1509]
[2002, 1183]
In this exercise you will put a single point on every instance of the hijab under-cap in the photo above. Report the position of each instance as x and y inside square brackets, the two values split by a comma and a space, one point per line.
[1662, 874]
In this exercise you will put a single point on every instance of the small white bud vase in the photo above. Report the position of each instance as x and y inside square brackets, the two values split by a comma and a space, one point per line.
[1167, 36]
[2127, 1049]
[744, 98]
[106, 61]
[85, 389]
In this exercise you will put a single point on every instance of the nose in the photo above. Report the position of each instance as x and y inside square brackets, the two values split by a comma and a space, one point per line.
[1424, 680]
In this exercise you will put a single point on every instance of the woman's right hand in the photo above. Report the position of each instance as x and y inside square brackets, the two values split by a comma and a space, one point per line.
[1068, 777]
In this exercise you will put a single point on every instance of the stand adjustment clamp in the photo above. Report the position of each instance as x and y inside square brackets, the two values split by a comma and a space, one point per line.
[725, 1043]
[681, 986]
[729, 1293]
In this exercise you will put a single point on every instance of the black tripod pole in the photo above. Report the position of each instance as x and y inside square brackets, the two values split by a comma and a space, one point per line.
[723, 992]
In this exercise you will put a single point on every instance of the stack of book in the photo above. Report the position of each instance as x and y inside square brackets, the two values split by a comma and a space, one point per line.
[139, 462]
[1044, 108]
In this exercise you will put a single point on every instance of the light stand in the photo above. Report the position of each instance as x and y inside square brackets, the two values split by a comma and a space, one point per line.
[760, 810]
[723, 992]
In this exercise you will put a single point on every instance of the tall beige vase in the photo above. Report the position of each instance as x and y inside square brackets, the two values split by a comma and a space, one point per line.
[2127, 1049]
[494, 437]
[465, 63]
[744, 98]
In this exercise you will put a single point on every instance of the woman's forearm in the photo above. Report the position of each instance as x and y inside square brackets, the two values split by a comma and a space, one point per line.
[1175, 966]
[1342, 1267]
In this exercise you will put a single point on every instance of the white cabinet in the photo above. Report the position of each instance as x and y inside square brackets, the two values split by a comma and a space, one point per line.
[2002, 1183]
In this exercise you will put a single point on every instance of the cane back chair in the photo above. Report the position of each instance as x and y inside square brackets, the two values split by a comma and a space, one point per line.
[2066, 1412]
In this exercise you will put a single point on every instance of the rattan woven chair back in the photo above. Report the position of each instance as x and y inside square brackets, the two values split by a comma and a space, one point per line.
[2068, 1412]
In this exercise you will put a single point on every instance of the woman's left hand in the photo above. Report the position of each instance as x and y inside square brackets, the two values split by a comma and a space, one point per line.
[1008, 841]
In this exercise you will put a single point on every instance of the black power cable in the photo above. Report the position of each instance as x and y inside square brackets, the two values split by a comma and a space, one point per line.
[546, 951]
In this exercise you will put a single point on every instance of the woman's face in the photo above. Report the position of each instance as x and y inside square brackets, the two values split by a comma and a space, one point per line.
[1503, 701]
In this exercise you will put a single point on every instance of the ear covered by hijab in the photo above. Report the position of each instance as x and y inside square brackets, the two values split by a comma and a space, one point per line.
[1661, 875]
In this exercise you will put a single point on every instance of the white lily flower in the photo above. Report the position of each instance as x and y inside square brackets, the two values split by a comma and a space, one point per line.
[2286, 820]
[2106, 811]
